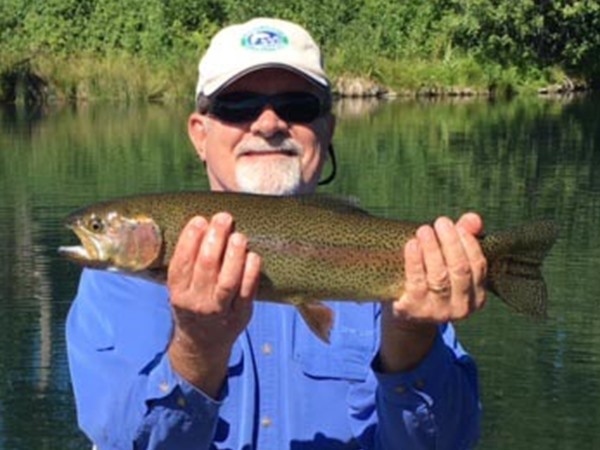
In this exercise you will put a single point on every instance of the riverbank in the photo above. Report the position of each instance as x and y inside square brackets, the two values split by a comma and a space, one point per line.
[147, 50]
[124, 78]
[360, 87]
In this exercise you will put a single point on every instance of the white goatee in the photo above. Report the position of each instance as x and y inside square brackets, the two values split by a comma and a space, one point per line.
[275, 176]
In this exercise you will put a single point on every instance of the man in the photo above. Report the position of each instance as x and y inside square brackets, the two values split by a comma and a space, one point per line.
[199, 364]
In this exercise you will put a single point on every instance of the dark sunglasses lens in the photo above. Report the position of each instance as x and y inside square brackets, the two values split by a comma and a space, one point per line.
[297, 107]
[239, 107]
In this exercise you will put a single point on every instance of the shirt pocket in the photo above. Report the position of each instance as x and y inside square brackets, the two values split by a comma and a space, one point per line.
[353, 342]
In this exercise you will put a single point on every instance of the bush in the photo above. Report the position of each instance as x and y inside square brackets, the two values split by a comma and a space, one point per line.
[406, 44]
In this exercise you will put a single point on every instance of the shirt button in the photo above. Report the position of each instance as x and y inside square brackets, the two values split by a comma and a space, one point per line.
[181, 402]
[419, 384]
[266, 421]
[400, 389]
[267, 348]
[164, 386]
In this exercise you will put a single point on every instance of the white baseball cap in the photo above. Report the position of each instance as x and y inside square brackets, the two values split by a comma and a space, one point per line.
[260, 43]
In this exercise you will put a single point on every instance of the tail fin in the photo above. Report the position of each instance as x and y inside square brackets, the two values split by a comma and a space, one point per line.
[514, 266]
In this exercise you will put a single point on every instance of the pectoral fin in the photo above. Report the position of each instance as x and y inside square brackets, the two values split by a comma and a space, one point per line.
[318, 317]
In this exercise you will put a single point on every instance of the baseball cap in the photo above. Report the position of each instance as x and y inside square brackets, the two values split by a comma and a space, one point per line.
[260, 43]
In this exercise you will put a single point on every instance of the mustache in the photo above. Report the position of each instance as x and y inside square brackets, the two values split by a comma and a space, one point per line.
[287, 145]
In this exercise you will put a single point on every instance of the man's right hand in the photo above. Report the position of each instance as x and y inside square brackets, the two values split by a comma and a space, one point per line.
[212, 282]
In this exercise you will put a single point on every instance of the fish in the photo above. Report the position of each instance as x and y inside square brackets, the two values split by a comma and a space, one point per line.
[313, 247]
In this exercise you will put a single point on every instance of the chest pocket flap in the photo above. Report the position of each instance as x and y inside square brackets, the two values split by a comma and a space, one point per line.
[353, 343]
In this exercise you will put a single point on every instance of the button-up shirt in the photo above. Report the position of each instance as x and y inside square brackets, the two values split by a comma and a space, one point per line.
[285, 389]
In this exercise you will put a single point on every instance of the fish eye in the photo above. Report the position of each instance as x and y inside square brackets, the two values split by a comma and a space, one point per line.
[96, 224]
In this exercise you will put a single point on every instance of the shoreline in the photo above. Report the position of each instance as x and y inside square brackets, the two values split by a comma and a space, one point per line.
[26, 84]
[360, 87]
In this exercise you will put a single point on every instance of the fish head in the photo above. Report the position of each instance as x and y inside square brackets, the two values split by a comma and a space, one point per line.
[113, 240]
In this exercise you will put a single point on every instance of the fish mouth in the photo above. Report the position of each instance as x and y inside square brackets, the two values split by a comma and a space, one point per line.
[90, 253]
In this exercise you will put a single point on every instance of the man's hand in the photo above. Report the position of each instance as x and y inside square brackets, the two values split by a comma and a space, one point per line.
[445, 272]
[212, 281]
[445, 275]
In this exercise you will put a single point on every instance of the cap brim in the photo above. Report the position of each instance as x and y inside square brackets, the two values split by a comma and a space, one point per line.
[234, 76]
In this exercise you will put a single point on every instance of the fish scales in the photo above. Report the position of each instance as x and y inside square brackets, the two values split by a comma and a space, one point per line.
[311, 247]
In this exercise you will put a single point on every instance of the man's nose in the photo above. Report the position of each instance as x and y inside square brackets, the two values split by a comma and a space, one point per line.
[268, 123]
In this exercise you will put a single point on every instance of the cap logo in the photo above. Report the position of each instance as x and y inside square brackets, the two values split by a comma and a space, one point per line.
[264, 38]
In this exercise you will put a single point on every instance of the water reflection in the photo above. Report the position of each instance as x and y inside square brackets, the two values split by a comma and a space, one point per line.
[355, 107]
[32, 284]
[512, 161]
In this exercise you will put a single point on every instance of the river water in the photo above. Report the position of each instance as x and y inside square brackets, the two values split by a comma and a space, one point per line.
[511, 161]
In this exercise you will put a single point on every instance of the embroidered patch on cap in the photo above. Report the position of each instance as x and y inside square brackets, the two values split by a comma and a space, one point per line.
[264, 38]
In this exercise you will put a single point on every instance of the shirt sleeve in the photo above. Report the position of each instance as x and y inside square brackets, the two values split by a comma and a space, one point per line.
[127, 395]
[436, 405]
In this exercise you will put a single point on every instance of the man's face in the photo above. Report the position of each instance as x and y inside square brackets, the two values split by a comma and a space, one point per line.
[265, 155]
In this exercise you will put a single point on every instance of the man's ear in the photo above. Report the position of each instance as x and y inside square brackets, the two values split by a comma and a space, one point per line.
[197, 127]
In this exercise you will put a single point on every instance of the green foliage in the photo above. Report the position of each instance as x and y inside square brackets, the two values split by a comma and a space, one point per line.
[410, 44]
[135, 30]
[533, 33]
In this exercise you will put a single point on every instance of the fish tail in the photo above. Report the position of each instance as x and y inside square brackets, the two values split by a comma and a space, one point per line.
[515, 260]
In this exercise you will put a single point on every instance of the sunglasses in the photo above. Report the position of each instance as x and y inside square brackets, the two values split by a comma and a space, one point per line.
[240, 107]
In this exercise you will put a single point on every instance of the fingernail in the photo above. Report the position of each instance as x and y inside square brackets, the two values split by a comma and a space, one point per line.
[222, 218]
[199, 222]
[253, 258]
[412, 246]
[443, 224]
[425, 232]
[237, 239]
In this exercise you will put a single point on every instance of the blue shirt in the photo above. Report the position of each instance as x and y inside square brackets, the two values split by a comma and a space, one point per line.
[285, 388]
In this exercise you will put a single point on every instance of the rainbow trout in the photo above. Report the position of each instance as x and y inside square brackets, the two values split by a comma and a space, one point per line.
[313, 248]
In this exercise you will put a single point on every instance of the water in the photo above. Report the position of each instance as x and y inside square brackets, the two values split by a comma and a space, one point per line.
[512, 162]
